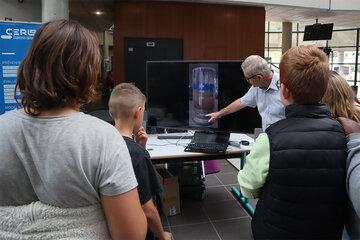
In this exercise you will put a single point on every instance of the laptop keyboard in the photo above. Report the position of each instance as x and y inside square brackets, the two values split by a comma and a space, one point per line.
[218, 148]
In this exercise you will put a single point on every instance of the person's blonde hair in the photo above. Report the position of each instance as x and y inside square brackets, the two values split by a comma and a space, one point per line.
[124, 97]
[340, 98]
[304, 70]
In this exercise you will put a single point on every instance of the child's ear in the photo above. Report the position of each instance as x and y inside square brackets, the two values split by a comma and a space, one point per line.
[137, 111]
[286, 94]
[284, 91]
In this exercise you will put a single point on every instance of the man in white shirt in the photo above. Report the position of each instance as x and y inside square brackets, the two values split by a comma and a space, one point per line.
[263, 94]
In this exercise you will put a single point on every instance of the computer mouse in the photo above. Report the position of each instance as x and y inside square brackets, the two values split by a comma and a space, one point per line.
[244, 142]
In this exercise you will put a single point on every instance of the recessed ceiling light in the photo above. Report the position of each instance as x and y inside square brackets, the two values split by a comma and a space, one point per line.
[98, 13]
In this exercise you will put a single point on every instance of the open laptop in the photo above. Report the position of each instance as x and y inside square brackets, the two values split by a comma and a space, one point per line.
[209, 142]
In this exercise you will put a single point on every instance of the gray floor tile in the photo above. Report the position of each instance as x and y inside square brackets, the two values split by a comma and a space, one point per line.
[228, 168]
[224, 210]
[230, 186]
[224, 162]
[203, 231]
[235, 163]
[219, 204]
[234, 229]
[253, 202]
[191, 212]
[228, 178]
[212, 180]
[217, 194]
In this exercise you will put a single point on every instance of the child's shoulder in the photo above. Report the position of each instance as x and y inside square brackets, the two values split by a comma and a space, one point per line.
[136, 150]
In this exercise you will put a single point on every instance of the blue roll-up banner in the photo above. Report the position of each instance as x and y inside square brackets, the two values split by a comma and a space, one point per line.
[15, 40]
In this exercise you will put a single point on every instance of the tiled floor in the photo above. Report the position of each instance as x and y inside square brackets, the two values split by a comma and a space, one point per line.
[219, 216]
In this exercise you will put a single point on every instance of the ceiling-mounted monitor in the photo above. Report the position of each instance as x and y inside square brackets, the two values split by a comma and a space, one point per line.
[318, 32]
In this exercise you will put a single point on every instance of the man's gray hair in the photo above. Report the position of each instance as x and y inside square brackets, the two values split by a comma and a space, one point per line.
[255, 64]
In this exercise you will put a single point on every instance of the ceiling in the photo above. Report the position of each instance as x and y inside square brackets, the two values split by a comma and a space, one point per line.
[84, 12]
[306, 16]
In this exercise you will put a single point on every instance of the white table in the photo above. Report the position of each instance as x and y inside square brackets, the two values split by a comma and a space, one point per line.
[170, 150]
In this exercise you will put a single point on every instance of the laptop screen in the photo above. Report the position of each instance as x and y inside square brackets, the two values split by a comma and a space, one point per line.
[211, 137]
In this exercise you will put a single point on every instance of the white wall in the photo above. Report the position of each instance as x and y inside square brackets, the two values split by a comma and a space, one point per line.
[28, 11]
[317, 4]
[109, 38]
[323, 4]
[345, 4]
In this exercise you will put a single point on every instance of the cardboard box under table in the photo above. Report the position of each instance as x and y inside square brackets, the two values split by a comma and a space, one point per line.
[171, 197]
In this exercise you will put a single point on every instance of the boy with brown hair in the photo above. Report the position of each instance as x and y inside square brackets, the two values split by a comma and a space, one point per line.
[126, 106]
[297, 168]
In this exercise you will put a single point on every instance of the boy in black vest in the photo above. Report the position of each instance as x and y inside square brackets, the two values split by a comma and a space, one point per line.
[126, 106]
[297, 168]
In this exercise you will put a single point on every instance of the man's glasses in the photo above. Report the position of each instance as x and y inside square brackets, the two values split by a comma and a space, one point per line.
[248, 78]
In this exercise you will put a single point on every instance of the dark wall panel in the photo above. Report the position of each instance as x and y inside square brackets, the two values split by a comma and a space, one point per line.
[209, 31]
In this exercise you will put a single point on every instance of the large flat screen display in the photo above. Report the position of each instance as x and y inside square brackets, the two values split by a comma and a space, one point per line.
[181, 93]
[318, 32]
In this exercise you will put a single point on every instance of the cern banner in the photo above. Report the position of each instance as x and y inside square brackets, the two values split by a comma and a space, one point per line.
[15, 40]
